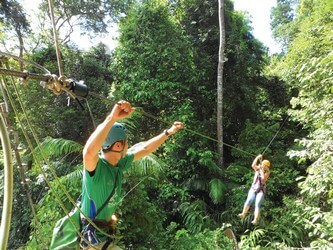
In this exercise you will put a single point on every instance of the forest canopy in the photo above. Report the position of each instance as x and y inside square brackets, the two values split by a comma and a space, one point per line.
[165, 64]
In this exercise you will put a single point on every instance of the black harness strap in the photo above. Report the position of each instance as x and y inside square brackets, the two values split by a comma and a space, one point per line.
[107, 244]
[109, 198]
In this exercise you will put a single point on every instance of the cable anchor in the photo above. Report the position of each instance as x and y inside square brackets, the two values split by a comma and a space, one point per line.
[52, 84]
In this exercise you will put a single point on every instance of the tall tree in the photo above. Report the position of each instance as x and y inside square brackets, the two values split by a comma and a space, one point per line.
[14, 18]
[220, 83]
[242, 69]
[92, 17]
[153, 52]
[283, 26]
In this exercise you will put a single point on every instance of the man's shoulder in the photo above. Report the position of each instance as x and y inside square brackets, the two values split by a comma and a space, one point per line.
[126, 161]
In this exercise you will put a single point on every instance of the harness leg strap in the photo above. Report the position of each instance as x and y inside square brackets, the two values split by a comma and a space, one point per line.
[107, 244]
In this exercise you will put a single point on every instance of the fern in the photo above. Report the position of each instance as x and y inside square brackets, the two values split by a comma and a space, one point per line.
[206, 159]
[217, 190]
[194, 215]
[252, 239]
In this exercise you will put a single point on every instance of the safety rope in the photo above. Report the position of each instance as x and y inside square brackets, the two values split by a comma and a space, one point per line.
[91, 115]
[31, 204]
[24, 75]
[25, 185]
[139, 109]
[48, 182]
[20, 59]
[275, 135]
[55, 38]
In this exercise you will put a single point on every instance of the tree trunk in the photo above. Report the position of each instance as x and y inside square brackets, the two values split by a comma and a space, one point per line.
[21, 48]
[220, 83]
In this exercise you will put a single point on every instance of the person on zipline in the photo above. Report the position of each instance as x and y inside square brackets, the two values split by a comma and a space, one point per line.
[258, 188]
[105, 157]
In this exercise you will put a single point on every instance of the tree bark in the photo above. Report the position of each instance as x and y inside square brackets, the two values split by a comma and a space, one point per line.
[220, 83]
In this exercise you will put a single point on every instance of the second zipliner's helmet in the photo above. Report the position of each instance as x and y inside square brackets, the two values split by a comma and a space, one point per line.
[266, 162]
[116, 133]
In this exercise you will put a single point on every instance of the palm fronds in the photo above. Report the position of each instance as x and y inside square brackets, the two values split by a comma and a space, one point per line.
[55, 147]
[148, 165]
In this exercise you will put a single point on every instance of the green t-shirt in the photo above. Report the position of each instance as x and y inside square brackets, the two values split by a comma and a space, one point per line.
[97, 188]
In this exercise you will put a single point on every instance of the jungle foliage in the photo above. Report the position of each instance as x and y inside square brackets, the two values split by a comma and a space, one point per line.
[166, 65]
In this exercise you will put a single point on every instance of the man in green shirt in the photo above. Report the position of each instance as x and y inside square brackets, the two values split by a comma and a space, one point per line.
[105, 157]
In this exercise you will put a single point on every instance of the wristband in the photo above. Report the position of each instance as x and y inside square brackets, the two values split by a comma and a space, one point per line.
[166, 133]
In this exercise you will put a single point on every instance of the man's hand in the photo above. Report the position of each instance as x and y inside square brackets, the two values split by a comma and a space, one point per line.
[175, 127]
[121, 110]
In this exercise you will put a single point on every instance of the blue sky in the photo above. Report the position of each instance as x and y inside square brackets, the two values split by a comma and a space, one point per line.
[259, 13]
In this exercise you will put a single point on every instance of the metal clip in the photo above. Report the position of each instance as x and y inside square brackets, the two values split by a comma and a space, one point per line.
[24, 80]
[52, 84]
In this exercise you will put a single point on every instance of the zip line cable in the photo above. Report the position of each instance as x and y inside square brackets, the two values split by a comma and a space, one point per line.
[144, 113]
[48, 78]
[275, 134]
[140, 110]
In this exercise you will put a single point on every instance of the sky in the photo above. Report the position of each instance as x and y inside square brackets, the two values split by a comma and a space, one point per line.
[258, 10]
